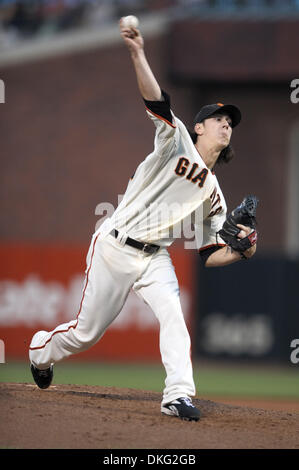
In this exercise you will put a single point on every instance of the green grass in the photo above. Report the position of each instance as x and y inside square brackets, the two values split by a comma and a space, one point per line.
[223, 379]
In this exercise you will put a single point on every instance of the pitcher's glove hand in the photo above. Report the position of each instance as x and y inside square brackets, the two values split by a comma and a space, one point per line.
[244, 214]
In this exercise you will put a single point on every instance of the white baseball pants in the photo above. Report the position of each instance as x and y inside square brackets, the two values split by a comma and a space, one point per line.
[112, 270]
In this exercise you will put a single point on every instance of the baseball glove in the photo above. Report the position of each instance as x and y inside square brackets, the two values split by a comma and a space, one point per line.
[244, 214]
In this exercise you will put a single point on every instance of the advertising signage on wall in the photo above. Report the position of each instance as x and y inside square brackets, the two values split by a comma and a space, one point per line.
[41, 287]
[248, 311]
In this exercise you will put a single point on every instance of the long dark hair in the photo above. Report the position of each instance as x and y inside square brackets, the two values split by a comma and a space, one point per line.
[226, 154]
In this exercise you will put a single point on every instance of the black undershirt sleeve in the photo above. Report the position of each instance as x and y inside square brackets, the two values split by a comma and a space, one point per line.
[161, 108]
[204, 254]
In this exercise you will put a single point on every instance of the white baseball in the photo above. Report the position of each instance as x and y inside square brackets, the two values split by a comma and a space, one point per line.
[130, 21]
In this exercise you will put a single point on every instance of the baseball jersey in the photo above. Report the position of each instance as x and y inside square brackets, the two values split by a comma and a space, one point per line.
[171, 184]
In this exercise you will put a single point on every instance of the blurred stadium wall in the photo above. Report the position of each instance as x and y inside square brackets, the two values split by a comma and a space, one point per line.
[72, 131]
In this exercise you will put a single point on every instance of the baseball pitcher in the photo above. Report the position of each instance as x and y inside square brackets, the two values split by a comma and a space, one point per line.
[129, 250]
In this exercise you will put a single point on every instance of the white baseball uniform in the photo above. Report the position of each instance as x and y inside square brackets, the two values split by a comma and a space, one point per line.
[169, 185]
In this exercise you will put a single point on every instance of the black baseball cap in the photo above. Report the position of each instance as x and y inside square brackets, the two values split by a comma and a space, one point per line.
[207, 111]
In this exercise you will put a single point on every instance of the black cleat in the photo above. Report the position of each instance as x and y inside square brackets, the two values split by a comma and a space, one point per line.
[183, 408]
[42, 378]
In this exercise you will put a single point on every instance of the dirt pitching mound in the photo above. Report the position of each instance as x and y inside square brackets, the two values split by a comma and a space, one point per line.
[85, 417]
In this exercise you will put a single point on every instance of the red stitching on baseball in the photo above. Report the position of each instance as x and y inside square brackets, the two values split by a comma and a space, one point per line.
[253, 237]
